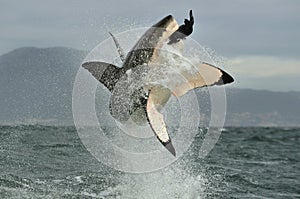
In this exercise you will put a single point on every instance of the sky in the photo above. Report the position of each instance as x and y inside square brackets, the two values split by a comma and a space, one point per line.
[259, 39]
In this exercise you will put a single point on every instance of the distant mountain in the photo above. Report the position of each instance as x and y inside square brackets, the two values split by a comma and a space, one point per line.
[36, 87]
[248, 107]
[36, 84]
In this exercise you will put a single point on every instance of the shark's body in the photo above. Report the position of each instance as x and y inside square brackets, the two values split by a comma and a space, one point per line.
[145, 99]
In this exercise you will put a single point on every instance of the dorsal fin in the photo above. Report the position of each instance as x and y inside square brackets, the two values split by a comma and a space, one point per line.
[119, 48]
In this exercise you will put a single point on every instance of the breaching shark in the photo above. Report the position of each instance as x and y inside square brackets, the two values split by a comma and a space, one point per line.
[147, 100]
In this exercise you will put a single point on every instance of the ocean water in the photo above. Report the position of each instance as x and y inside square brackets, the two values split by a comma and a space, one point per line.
[51, 162]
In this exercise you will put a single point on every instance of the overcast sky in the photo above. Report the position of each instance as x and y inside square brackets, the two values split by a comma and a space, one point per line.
[260, 38]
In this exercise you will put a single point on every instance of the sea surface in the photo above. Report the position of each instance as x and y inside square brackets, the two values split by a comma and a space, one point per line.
[51, 162]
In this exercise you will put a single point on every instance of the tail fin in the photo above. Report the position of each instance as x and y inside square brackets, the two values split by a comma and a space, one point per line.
[107, 74]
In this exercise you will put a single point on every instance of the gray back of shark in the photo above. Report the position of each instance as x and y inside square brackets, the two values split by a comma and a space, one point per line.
[129, 96]
[124, 102]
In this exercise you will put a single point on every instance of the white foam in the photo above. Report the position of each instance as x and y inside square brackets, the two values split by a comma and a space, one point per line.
[172, 182]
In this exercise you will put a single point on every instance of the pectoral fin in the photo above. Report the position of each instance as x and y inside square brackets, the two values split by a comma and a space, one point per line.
[156, 98]
[204, 75]
[107, 74]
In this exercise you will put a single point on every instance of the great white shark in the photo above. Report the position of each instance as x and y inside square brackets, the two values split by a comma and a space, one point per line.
[147, 100]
